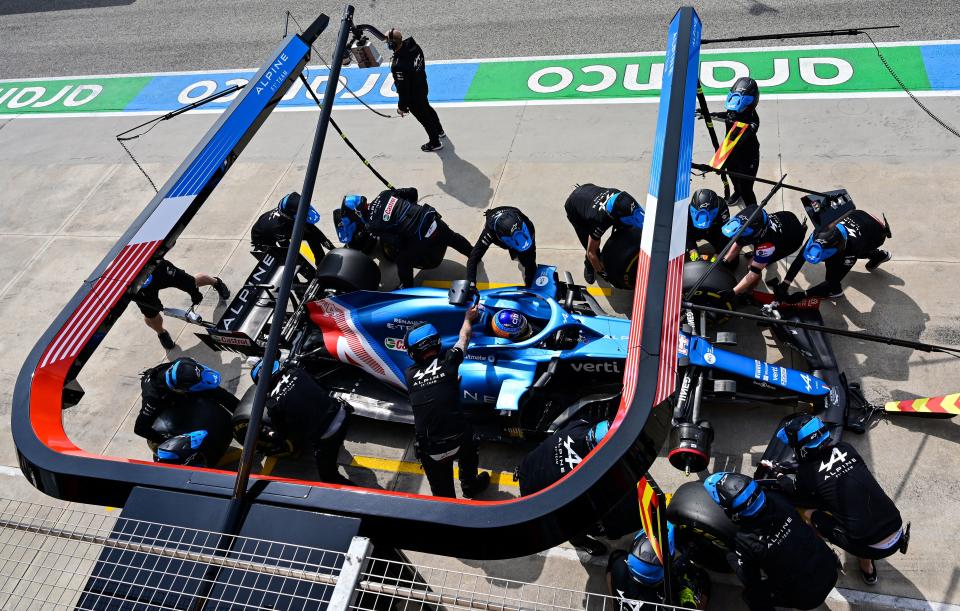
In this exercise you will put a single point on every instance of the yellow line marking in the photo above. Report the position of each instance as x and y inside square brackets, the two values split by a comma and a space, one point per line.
[232, 455]
[268, 465]
[445, 284]
[500, 478]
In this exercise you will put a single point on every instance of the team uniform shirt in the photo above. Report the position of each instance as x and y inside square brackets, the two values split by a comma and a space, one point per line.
[273, 230]
[409, 74]
[748, 146]
[300, 409]
[489, 237]
[865, 234]
[782, 237]
[434, 390]
[554, 457]
[586, 208]
[156, 397]
[165, 275]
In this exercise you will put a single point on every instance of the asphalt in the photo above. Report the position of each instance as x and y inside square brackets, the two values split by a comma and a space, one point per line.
[63, 38]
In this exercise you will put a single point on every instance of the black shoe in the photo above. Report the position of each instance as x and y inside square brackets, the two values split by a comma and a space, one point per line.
[872, 577]
[880, 257]
[442, 135]
[166, 341]
[588, 275]
[429, 147]
[590, 545]
[478, 485]
[221, 289]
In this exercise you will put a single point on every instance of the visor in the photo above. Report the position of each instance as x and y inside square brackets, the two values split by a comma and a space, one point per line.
[737, 101]
[346, 229]
[703, 218]
[185, 376]
[635, 219]
[520, 241]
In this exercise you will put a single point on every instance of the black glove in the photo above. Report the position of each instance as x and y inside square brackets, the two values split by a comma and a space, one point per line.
[196, 297]
[734, 299]
[781, 291]
[795, 297]
[603, 275]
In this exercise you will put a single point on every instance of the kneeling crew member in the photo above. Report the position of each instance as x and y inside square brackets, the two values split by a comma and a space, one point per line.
[302, 412]
[443, 434]
[417, 232]
[274, 228]
[858, 236]
[592, 210]
[780, 560]
[773, 237]
[708, 214]
[508, 228]
[557, 456]
[177, 385]
[166, 275]
[854, 513]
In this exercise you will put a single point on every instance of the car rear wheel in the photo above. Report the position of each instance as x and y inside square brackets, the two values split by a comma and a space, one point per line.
[701, 526]
[348, 270]
[202, 415]
[619, 256]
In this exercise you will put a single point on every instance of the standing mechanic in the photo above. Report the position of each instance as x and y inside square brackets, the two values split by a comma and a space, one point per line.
[508, 228]
[166, 275]
[779, 559]
[708, 214]
[743, 123]
[442, 432]
[416, 233]
[773, 237]
[410, 77]
[859, 235]
[853, 512]
[302, 413]
[592, 210]
[274, 228]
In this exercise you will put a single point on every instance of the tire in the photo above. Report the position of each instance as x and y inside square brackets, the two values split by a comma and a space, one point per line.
[619, 256]
[720, 279]
[204, 414]
[241, 421]
[348, 270]
[702, 526]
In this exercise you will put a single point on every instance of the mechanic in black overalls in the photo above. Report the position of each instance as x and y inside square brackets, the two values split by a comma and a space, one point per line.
[779, 559]
[302, 412]
[858, 236]
[410, 78]
[274, 228]
[178, 385]
[442, 432]
[853, 512]
[592, 210]
[510, 229]
[773, 237]
[557, 456]
[741, 106]
[166, 275]
[708, 214]
[416, 233]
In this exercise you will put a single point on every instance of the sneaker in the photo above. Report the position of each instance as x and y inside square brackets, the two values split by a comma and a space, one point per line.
[588, 275]
[478, 485]
[837, 295]
[166, 341]
[880, 257]
[429, 147]
[872, 577]
[221, 289]
[442, 135]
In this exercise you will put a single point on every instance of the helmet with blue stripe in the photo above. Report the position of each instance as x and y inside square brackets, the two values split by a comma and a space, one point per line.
[186, 375]
[754, 229]
[803, 433]
[255, 372]
[825, 243]
[704, 208]
[182, 449]
[642, 561]
[512, 231]
[737, 494]
[621, 206]
[289, 205]
[511, 324]
[423, 342]
[597, 433]
[743, 96]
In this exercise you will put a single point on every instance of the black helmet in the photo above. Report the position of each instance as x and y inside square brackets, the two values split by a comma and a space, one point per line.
[825, 243]
[289, 205]
[512, 231]
[803, 433]
[754, 229]
[743, 96]
[737, 494]
[422, 342]
[705, 206]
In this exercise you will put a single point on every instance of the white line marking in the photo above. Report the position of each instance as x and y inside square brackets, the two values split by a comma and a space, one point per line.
[11, 471]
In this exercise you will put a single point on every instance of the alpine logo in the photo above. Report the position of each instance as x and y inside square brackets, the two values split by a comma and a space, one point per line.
[835, 457]
[388, 209]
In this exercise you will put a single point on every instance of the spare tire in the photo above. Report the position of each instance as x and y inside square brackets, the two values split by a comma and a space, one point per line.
[203, 414]
[720, 279]
[619, 256]
[701, 526]
[348, 270]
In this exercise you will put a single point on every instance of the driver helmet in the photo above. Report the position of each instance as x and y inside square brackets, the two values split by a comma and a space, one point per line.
[511, 324]
[737, 494]
[512, 231]
[597, 433]
[621, 206]
[289, 205]
[182, 450]
[423, 342]
[185, 375]
[255, 372]
[704, 208]
[743, 96]
[825, 243]
[642, 561]
[754, 229]
[804, 433]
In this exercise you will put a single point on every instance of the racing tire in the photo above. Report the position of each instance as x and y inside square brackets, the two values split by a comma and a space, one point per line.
[241, 421]
[702, 527]
[720, 279]
[619, 256]
[348, 270]
[203, 414]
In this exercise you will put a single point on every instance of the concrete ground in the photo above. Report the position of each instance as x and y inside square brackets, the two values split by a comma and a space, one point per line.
[69, 192]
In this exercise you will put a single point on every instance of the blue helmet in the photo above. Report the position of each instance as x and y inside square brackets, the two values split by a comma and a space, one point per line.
[597, 433]
[510, 324]
[147, 282]
[825, 243]
[291, 202]
[255, 372]
[182, 449]
[186, 375]
[738, 495]
[622, 207]
[744, 95]
[422, 341]
[512, 231]
[803, 433]
[642, 561]
[704, 208]
[753, 230]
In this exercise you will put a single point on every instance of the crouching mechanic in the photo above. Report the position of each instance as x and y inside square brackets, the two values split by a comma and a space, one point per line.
[417, 233]
[274, 228]
[779, 559]
[773, 237]
[557, 456]
[708, 214]
[853, 512]
[592, 210]
[508, 228]
[858, 236]
[442, 432]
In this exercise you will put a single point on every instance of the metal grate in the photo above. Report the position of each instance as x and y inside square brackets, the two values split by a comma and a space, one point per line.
[55, 558]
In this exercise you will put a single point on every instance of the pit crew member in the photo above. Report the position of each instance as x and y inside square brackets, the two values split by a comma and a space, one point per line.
[508, 228]
[773, 237]
[592, 210]
[274, 228]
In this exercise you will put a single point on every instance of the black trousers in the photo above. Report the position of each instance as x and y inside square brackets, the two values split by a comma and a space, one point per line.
[439, 471]
[326, 451]
[745, 163]
[427, 116]
[834, 532]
